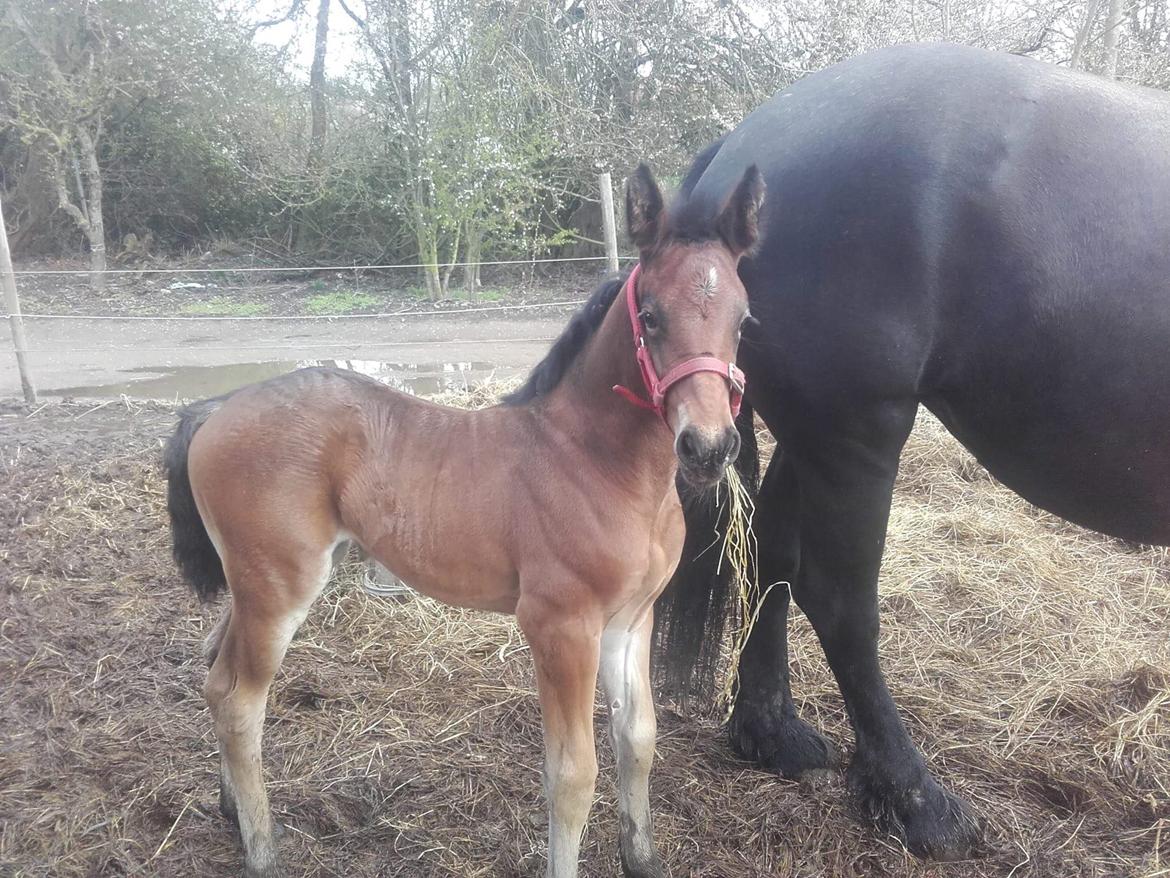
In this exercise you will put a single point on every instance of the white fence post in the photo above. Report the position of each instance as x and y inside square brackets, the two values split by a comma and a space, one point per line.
[608, 222]
[12, 303]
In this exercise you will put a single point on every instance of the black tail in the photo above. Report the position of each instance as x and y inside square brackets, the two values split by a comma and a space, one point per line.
[691, 616]
[194, 553]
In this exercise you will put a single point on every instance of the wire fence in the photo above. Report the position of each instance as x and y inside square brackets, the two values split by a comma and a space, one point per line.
[306, 268]
[308, 344]
[315, 345]
[406, 312]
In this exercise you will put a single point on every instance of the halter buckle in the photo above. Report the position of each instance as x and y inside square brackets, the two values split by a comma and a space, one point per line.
[736, 384]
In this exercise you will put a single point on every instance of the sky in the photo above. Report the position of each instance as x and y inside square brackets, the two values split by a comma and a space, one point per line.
[297, 35]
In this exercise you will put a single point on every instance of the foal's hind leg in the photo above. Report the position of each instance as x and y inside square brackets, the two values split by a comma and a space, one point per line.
[625, 676]
[214, 640]
[267, 609]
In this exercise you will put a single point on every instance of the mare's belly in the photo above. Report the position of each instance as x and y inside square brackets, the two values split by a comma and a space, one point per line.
[1108, 470]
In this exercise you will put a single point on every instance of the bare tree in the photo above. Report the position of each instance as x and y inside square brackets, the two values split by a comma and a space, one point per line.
[1112, 31]
[1083, 32]
[317, 89]
[61, 106]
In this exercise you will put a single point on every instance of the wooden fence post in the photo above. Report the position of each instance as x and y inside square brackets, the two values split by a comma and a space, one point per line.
[608, 222]
[12, 304]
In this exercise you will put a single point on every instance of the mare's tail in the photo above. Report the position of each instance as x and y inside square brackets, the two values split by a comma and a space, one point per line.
[691, 616]
[192, 547]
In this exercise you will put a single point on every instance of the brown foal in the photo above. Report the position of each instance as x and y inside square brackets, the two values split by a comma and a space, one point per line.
[558, 505]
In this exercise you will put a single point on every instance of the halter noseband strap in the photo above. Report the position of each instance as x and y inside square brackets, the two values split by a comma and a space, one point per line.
[656, 387]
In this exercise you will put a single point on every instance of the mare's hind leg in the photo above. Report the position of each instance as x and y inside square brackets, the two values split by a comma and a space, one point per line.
[765, 726]
[267, 608]
[565, 648]
[625, 676]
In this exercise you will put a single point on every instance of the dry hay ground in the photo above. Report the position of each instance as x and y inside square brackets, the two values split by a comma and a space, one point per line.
[1030, 660]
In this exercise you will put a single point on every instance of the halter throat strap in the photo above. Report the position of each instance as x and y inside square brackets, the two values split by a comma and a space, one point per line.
[656, 388]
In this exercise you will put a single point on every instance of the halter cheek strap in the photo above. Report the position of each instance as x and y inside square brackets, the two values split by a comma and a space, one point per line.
[656, 388]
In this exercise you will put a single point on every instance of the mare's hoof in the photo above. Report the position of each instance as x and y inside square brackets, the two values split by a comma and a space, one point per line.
[779, 741]
[932, 823]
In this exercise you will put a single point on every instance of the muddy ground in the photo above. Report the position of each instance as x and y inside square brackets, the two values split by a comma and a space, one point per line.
[1030, 660]
[223, 325]
[195, 359]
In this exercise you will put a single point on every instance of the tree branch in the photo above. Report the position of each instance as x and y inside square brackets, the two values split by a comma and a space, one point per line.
[293, 10]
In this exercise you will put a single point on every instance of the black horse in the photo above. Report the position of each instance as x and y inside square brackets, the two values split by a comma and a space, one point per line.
[980, 233]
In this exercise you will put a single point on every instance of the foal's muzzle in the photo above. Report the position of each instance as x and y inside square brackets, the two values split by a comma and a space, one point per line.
[703, 455]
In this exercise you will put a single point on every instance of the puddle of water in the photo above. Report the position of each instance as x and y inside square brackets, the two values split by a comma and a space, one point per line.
[198, 382]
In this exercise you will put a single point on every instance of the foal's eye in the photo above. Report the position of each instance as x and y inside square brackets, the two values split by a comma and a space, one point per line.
[649, 321]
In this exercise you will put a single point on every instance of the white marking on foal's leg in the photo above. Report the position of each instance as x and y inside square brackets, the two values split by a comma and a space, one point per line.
[570, 774]
[625, 676]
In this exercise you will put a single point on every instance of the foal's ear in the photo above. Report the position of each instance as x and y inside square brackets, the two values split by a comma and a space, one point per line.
[643, 207]
[739, 221]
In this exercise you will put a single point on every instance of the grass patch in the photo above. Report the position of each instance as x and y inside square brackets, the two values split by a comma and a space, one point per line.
[222, 306]
[458, 293]
[487, 294]
[340, 302]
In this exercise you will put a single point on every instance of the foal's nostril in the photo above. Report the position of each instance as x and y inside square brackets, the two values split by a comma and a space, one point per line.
[708, 453]
[687, 444]
[731, 446]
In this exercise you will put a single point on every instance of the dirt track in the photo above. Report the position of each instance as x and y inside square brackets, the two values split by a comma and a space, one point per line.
[67, 354]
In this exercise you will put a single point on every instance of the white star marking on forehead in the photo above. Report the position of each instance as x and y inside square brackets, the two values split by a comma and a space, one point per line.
[709, 284]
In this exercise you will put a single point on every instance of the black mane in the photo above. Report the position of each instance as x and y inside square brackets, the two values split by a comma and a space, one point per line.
[548, 372]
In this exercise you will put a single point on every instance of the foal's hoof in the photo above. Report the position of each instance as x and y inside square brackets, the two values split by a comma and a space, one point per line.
[639, 858]
[780, 742]
[645, 867]
[264, 863]
[931, 822]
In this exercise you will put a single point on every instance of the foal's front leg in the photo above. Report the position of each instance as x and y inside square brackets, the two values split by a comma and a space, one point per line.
[625, 676]
[565, 644]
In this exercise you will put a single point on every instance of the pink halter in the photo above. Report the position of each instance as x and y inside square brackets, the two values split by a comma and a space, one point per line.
[656, 387]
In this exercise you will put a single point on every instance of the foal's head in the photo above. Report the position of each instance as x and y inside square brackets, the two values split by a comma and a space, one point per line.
[691, 303]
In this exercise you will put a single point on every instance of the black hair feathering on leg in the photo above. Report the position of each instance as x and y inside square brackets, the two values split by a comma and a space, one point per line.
[694, 612]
